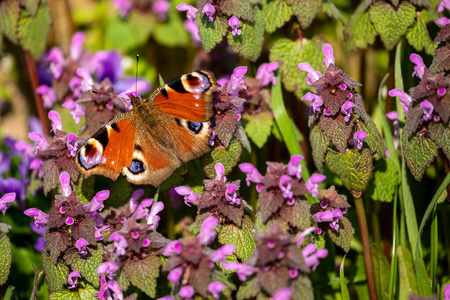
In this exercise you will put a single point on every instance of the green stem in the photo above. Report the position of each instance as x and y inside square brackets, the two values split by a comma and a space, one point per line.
[362, 222]
[393, 270]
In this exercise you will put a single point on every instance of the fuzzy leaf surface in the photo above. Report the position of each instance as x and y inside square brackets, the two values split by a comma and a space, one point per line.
[87, 264]
[359, 31]
[440, 134]
[305, 10]
[211, 33]
[143, 274]
[343, 237]
[242, 238]
[55, 274]
[5, 258]
[319, 144]
[228, 156]
[419, 38]
[419, 152]
[238, 8]
[258, 127]
[385, 181]
[9, 16]
[276, 14]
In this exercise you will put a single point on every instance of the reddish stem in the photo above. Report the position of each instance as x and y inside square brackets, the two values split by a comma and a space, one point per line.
[32, 72]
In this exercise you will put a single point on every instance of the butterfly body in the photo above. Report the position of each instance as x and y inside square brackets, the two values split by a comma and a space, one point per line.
[146, 145]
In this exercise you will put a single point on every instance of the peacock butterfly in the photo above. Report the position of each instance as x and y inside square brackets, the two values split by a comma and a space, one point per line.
[148, 143]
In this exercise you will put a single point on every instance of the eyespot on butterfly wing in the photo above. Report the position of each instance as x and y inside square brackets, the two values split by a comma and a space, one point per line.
[148, 144]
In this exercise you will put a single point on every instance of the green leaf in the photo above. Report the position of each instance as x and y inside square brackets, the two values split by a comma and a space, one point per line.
[302, 288]
[4, 227]
[276, 13]
[354, 167]
[5, 258]
[289, 54]
[242, 238]
[211, 33]
[391, 23]
[440, 134]
[143, 273]
[76, 294]
[332, 11]
[343, 237]
[55, 274]
[258, 127]
[319, 144]
[33, 30]
[172, 32]
[240, 9]
[249, 43]
[344, 289]
[123, 281]
[249, 289]
[228, 156]
[419, 152]
[419, 38]
[407, 279]
[84, 189]
[9, 16]
[128, 34]
[381, 269]
[359, 31]
[385, 181]
[87, 264]
[305, 10]
[30, 5]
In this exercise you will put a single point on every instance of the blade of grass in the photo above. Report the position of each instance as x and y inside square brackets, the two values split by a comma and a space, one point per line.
[422, 280]
[393, 270]
[434, 241]
[344, 289]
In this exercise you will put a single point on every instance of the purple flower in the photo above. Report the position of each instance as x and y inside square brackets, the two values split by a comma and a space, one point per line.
[168, 297]
[96, 203]
[265, 73]
[328, 52]
[405, 99]
[64, 178]
[221, 253]
[191, 11]
[133, 201]
[76, 47]
[86, 79]
[7, 198]
[419, 68]
[231, 195]
[215, 288]
[242, 270]
[108, 267]
[192, 28]
[324, 216]
[207, 234]
[70, 221]
[186, 291]
[311, 256]
[153, 217]
[283, 294]
[172, 248]
[39, 245]
[209, 10]
[142, 211]
[5, 163]
[56, 59]
[81, 244]
[312, 184]
[358, 138]
[294, 166]
[123, 6]
[252, 173]
[234, 23]
[444, 3]
[315, 101]
[48, 95]
[98, 232]
[347, 110]
[41, 144]
[427, 109]
[120, 243]
[220, 170]
[447, 292]
[56, 121]
[175, 275]
[301, 237]
[189, 196]
[312, 75]
[160, 8]
[285, 186]
[114, 286]
[443, 21]
[106, 64]
[40, 218]
[72, 144]
[236, 80]
[72, 279]
[76, 110]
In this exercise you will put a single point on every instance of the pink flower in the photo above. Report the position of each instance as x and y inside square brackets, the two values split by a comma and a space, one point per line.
[220, 170]
[347, 110]
[283, 294]
[209, 10]
[42, 143]
[108, 267]
[419, 67]
[328, 52]
[294, 166]
[56, 121]
[160, 8]
[234, 23]
[186, 291]
[81, 244]
[40, 218]
[311, 256]
[98, 232]
[231, 195]
[153, 217]
[189, 196]
[312, 75]
[56, 59]
[96, 203]
[301, 237]
[285, 186]
[358, 138]
[76, 110]
[266, 74]
[72, 144]
[427, 109]
[6, 198]
[312, 184]
[447, 292]
[66, 189]
[236, 80]
[120, 243]
[315, 101]
[405, 99]
[172, 248]
[76, 47]
[191, 11]
[133, 201]
[242, 270]
[48, 95]
[72, 279]
[221, 253]
[142, 210]
[207, 234]
[443, 21]
[123, 6]
[215, 288]
[175, 275]
[252, 173]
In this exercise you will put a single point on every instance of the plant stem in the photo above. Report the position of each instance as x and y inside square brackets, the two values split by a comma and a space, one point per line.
[42, 113]
[361, 213]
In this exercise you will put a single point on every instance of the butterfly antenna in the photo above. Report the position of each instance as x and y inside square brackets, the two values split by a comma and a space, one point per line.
[137, 66]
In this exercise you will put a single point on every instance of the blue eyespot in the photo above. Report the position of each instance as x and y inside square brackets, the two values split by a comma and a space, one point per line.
[137, 166]
[195, 127]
